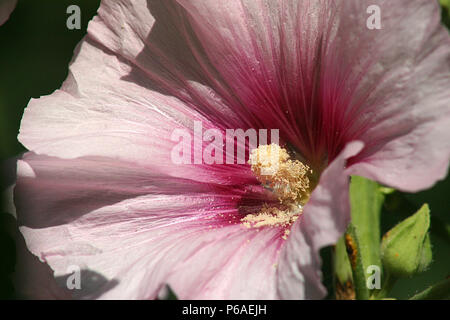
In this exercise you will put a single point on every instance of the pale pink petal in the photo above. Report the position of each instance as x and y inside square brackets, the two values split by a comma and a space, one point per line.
[6, 7]
[98, 113]
[325, 218]
[241, 265]
[139, 231]
[119, 92]
[108, 102]
[402, 109]
[112, 107]
[156, 38]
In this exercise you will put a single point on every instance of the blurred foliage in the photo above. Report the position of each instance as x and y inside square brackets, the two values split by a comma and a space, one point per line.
[446, 12]
[36, 50]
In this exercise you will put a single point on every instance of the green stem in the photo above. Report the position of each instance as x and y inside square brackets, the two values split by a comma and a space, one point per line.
[366, 199]
[354, 255]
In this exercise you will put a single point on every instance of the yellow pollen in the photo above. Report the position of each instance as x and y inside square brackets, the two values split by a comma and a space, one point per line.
[286, 234]
[271, 217]
[288, 179]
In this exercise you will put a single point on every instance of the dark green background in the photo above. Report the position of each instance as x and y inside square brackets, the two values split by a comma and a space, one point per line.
[36, 48]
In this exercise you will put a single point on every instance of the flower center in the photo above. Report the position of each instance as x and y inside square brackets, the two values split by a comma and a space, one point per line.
[291, 181]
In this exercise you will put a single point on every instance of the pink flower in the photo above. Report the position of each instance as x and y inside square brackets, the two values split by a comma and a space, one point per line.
[6, 7]
[99, 190]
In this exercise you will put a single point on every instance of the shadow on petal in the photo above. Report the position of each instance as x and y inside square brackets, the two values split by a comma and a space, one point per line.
[93, 284]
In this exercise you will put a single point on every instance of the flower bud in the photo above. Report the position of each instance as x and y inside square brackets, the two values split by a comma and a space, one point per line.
[406, 248]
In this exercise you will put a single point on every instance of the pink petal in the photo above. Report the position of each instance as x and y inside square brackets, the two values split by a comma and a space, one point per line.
[113, 106]
[259, 51]
[156, 38]
[118, 118]
[108, 100]
[139, 231]
[127, 78]
[241, 265]
[402, 110]
[387, 88]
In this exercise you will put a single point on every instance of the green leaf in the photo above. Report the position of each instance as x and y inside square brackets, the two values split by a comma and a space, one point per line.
[406, 248]
[439, 291]
[366, 198]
